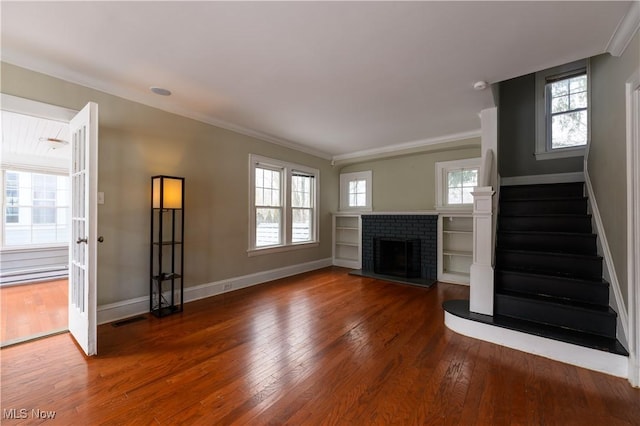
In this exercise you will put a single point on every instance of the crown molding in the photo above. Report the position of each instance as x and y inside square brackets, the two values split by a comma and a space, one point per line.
[70, 76]
[625, 30]
[403, 148]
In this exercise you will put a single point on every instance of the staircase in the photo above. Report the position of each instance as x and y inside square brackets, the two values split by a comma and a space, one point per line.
[548, 276]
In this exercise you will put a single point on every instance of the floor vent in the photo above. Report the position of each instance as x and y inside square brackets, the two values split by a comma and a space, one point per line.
[129, 321]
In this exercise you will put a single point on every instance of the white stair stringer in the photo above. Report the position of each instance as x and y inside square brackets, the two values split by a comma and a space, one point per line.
[592, 359]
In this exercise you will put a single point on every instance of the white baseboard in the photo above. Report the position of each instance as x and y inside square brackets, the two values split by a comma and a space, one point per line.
[124, 309]
[609, 270]
[542, 179]
[592, 359]
[140, 305]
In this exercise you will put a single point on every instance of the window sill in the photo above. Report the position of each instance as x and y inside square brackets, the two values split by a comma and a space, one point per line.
[355, 209]
[465, 208]
[277, 249]
[561, 153]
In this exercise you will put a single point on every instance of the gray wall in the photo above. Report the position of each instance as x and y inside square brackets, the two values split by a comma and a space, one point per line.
[137, 142]
[407, 183]
[606, 163]
[517, 133]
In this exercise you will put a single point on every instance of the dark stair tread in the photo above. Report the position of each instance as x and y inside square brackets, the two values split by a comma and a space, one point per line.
[567, 303]
[538, 198]
[547, 249]
[552, 253]
[548, 215]
[584, 281]
[568, 288]
[557, 190]
[460, 308]
[551, 233]
[538, 271]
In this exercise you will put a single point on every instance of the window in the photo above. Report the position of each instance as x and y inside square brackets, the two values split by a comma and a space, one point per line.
[460, 185]
[302, 207]
[36, 208]
[355, 191]
[562, 100]
[284, 200]
[455, 181]
[567, 117]
[268, 206]
[44, 199]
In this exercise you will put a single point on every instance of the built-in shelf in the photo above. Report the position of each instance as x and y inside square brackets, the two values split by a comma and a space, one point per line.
[457, 253]
[347, 240]
[344, 243]
[455, 247]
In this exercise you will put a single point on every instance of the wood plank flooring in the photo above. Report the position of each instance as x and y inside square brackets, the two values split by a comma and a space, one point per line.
[319, 348]
[32, 310]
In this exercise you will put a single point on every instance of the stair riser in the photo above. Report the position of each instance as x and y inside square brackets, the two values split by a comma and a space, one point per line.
[557, 224]
[548, 263]
[560, 206]
[579, 291]
[562, 190]
[578, 243]
[595, 322]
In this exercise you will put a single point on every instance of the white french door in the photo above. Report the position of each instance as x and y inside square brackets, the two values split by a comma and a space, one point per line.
[84, 233]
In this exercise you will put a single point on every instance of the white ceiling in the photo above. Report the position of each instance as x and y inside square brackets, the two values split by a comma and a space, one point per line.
[333, 77]
[24, 141]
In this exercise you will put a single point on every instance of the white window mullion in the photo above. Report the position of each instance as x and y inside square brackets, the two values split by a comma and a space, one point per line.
[286, 226]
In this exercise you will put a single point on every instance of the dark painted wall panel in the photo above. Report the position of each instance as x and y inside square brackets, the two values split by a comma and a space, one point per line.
[517, 133]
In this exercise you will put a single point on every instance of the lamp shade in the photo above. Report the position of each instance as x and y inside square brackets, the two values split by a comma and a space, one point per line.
[167, 192]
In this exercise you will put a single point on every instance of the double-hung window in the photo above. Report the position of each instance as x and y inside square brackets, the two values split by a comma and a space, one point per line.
[283, 205]
[562, 102]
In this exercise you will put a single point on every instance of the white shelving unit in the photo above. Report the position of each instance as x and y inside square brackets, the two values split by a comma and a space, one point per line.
[347, 240]
[455, 247]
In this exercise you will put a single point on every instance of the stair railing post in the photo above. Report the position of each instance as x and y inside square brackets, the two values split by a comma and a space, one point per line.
[481, 279]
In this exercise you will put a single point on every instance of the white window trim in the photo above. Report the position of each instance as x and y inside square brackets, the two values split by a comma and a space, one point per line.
[442, 168]
[543, 150]
[345, 178]
[286, 238]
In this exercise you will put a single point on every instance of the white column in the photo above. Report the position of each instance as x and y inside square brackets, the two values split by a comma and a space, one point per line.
[481, 293]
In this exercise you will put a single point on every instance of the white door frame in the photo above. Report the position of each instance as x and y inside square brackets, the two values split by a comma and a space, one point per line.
[633, 223]
[58, 113]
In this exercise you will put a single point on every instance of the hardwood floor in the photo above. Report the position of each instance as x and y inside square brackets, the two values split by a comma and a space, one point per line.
[319, 348]
[32, 310]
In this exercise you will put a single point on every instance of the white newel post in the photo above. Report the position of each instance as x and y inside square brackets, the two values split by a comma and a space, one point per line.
[481, 293]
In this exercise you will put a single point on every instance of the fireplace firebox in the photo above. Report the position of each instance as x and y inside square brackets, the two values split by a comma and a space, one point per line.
[397, 257]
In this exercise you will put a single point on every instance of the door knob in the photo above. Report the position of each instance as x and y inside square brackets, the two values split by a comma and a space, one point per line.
[100, 239]
[81, 240]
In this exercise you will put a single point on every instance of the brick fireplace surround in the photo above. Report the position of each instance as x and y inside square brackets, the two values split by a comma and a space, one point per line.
[402, 226]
